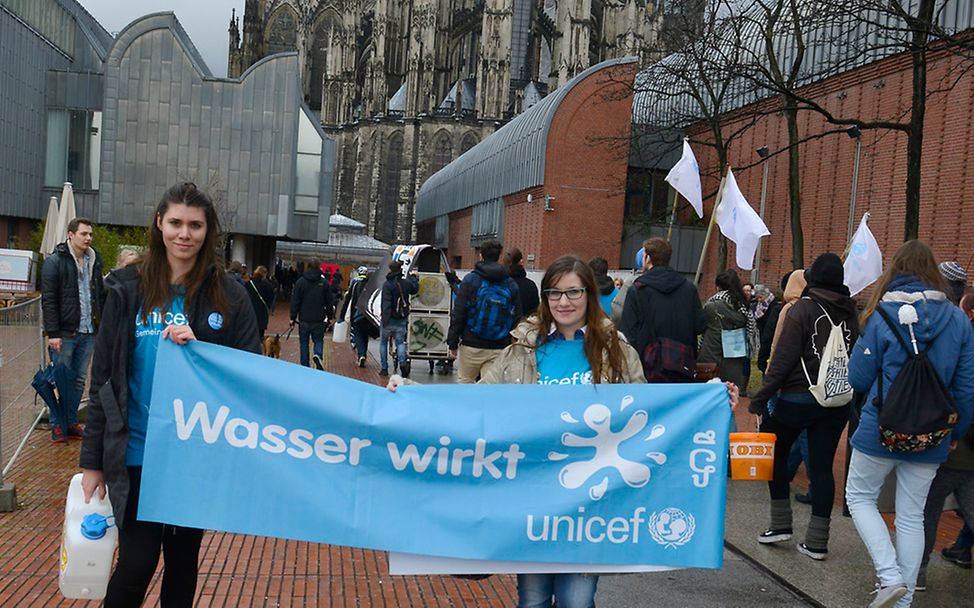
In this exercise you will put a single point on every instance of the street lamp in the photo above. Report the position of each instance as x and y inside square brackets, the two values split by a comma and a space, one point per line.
[855, 134]
[765, 155]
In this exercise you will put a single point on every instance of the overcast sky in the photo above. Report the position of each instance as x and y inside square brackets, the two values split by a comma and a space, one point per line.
[206, 22]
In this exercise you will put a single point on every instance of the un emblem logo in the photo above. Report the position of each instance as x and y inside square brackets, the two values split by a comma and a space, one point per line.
[671, 527]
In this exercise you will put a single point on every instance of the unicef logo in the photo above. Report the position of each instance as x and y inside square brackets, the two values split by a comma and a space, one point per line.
[671, 527]
[215, 320]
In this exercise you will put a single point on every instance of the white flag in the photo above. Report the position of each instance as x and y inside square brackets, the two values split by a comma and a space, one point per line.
[685, 179]
[864, 264]
[740, 223]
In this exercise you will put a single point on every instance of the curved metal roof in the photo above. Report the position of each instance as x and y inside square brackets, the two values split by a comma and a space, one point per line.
[509, 160]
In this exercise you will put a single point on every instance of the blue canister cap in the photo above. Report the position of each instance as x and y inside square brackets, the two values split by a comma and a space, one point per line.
[94, 526]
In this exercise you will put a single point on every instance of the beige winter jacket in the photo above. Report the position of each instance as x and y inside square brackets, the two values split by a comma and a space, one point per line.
[517, 364]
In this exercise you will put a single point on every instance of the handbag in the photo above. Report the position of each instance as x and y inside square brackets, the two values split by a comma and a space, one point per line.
[707, 371]
[733, 342]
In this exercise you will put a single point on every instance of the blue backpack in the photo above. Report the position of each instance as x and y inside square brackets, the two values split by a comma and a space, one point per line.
[490, 313]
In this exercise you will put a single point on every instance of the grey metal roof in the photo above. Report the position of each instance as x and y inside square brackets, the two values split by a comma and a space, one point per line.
[96, 34]
[832, 47]
[339, 241]
[338, 219]
[509, 160]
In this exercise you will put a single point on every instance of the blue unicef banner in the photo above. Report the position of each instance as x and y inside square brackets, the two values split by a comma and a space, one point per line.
[610, 474]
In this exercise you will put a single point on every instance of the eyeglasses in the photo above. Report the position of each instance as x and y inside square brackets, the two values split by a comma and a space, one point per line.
[573, 294]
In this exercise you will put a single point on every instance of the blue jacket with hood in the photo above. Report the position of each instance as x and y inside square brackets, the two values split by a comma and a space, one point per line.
[879, 351]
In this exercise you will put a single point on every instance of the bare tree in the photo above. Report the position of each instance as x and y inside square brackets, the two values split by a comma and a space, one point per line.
[697, 88]
[848, 34]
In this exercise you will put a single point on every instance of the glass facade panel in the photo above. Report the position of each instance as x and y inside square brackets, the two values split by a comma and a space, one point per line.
[306, 204]
[309, 173]
[57, 148]
[309, 142]
[73, 148]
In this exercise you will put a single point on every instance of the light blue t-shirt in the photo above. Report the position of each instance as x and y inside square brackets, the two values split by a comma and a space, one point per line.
[563, 362]
[147, 336]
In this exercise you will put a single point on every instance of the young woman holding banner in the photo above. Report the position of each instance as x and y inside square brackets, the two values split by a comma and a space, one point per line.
[180, 292]
[569, 340]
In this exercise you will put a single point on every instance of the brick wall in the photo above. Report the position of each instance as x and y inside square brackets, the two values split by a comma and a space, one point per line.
[587, 160]
[458, 244]
[878, 91]
[523, 222]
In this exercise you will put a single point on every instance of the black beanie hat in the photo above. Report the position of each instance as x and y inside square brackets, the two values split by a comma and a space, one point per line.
[826, 272]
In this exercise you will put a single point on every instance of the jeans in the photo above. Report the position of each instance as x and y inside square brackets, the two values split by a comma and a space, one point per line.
[947, 482]
[799, 456]
[314, 331]
[76, 354]
[965, 538]
[360, 336]
[824, 428]
[569, 590]
[397, 329]
[139, 544]
[866, 475]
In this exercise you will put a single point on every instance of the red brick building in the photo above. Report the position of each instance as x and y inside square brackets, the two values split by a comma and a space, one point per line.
[879, 91]
[550, 182]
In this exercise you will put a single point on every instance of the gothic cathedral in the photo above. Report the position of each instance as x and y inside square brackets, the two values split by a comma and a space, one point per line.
[406, 86]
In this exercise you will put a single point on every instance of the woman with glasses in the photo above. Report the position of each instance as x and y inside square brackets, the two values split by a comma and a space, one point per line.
[568, 341]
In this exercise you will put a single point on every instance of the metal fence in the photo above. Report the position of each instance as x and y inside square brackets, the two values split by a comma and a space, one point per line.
[21, 355]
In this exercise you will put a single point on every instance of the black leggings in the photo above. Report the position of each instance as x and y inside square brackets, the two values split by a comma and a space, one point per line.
[139, 543]
[824, 426]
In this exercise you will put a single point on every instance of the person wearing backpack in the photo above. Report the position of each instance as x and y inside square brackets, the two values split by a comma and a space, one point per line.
[487, 307]
[395, 315]
[805, 388]
[916, 361]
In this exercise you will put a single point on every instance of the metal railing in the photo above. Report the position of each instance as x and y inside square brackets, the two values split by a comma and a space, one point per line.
[21, 355]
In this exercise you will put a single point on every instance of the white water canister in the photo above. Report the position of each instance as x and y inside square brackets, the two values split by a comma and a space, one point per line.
[87, 545]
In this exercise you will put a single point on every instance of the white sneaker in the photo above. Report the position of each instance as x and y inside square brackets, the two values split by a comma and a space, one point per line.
[887, 596]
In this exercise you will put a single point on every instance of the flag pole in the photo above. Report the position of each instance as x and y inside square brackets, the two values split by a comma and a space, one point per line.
[676, 198]
[710, 229]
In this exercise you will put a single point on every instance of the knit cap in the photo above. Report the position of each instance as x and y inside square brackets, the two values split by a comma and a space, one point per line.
[953, 271]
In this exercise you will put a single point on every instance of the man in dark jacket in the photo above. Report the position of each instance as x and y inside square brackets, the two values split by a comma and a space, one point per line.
[395, 316]
[488, 305]
[661, 303]
[526, 288]
[72, 296]
[312, 306]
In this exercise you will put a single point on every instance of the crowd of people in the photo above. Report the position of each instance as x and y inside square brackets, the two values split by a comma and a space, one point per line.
[878, 368]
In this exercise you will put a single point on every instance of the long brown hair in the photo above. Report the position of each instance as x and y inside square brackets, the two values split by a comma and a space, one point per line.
[912, 258]
[155, 275]
[601, 339]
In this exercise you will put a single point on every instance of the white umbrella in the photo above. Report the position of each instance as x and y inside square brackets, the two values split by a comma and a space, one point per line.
[49, 241]
[66, 213]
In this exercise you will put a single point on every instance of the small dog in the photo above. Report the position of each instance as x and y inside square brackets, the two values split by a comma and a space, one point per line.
[272, 346]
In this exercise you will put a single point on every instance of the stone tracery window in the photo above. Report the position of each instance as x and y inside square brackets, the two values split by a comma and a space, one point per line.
[442, 152]
[282, 31]
[469, 140]
[326, 26]
[391, 182]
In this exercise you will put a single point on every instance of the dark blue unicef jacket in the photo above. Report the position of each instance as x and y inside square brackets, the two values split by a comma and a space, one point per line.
[879, 351]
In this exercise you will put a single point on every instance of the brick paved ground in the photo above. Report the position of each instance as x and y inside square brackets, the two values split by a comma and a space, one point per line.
[238, 570]
[235, 570]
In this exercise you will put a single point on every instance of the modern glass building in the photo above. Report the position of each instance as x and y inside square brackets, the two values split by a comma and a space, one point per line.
[123, 118]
